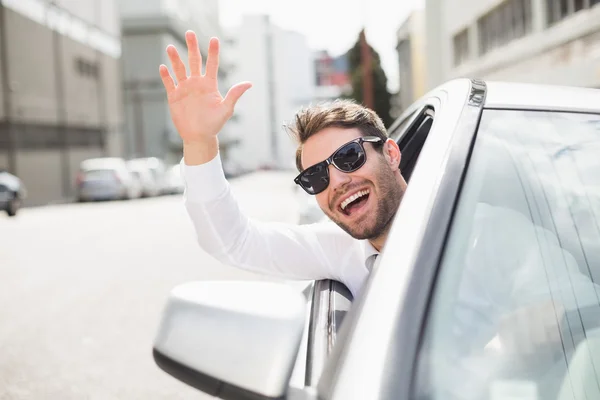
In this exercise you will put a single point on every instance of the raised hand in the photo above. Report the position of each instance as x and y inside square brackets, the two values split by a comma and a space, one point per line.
[197, 108]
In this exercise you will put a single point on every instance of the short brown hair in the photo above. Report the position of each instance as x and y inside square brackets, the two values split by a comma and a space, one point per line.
[341, 113]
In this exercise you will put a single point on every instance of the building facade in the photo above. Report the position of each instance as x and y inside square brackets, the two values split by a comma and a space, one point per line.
[536, 41]
[60, 98]
[148, 27]
[280, 66]
[411, 60]
[332, 76]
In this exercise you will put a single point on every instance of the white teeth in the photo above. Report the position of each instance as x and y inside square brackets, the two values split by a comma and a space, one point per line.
[352, 198]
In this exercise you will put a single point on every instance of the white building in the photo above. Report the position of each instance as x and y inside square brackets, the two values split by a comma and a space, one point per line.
[148, 27]
[538, 41]
[280, 66]
[411, 59]
[60, 91]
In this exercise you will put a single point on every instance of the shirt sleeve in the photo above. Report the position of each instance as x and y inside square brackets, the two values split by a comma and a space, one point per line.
[288, 251]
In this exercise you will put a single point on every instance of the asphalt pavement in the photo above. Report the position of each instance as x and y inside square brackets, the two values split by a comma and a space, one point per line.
[82, 288]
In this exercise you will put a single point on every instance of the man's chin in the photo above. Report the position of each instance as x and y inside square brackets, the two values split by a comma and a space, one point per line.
[359, 231]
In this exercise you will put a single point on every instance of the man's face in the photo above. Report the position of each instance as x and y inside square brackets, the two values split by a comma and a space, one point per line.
[362, 202]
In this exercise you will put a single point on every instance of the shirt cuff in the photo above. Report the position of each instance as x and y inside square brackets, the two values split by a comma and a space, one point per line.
[204, 182]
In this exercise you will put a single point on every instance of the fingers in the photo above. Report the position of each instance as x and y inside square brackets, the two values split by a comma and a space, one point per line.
[194, 55]
[234, 94]
[166, 78]
[212, 61]
[176, 63]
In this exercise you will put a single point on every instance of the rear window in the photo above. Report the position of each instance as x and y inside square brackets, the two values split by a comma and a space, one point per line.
[103, 174]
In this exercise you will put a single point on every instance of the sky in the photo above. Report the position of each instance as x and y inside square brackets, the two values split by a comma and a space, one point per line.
[333, 25]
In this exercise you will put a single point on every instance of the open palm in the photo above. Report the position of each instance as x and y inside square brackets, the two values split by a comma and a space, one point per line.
[197, 108]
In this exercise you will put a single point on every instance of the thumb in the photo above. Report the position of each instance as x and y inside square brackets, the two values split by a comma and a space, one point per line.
[234, 94]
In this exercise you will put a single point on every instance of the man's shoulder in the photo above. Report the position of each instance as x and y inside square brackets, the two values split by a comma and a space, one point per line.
[328, 228]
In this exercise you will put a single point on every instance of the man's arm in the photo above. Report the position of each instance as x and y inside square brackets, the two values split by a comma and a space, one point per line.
[197, 108]
[285, 250]
[199, 112]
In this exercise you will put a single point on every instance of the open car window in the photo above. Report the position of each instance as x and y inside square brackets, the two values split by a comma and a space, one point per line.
[411, 135]
[331, 300]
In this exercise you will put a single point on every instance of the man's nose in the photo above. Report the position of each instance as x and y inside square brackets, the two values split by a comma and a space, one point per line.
[337, 178]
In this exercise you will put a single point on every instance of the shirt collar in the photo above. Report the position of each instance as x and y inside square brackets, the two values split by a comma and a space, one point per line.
[369, 250]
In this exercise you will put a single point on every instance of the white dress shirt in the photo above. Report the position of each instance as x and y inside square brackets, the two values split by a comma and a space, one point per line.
[303, 252]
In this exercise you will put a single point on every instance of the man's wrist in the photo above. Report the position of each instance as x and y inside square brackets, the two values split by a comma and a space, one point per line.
[200, 152]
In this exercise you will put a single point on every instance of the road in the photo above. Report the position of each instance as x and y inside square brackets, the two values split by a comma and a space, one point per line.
[83, 286]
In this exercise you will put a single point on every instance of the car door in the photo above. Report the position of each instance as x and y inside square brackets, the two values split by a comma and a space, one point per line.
[365, 361]
[516, 309]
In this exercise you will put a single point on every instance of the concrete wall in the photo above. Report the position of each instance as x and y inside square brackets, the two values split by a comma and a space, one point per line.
[138, 8]
[286, 81]
[149, 27]
[252, 109]
[142, 56]
[81, 91]
[40, 171]
[411, 55]
[1, 81]
[114, 115]
[418, 46]
[295, 88]
[34, 81]
[3, 160]
[567, 52]
[36, 49]
[31, 70]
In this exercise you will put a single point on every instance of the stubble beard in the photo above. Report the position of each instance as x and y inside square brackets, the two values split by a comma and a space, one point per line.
[376, 222]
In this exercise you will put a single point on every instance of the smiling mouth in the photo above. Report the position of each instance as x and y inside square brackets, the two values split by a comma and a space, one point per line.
[354, 203]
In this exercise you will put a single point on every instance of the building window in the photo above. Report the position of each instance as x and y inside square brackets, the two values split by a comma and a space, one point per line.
[461, 47]
[508, 21]
[87, 69]
[558, 10]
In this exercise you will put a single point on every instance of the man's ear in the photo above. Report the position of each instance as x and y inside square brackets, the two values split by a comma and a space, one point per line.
[392, 154]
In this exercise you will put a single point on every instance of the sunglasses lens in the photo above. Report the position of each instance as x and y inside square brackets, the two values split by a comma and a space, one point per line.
[315, 179]
[350, 157]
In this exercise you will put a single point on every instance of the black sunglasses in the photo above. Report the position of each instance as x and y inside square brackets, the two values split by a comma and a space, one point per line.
[348, 158]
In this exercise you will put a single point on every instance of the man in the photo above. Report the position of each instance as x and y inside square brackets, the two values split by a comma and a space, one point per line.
[347, 162]
[351, 166]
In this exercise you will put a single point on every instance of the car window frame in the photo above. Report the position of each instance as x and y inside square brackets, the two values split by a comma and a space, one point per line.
[365, 345]
[332, 299]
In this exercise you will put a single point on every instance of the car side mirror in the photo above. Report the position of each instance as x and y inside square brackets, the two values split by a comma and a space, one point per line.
[232, 340]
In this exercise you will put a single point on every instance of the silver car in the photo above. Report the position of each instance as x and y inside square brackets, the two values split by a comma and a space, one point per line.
[106, 179]
[461, 307]
[12, 193]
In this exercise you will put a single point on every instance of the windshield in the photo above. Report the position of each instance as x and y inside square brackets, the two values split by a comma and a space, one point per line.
[99, 174]
[516, 311]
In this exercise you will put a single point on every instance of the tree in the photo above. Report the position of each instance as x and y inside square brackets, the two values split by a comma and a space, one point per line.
[381, 97]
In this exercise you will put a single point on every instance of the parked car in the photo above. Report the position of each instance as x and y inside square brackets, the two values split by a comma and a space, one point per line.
[157, 168]
[12, 193]
[106, 179]
[439, 318]
[151, 186]
[173, 180]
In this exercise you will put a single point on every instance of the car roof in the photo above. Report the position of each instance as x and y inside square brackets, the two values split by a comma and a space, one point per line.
[528, 96]
[102, 163]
